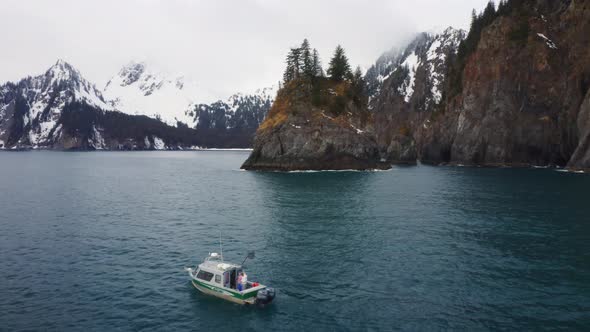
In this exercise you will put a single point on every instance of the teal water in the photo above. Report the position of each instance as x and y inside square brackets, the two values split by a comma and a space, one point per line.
[98, 241]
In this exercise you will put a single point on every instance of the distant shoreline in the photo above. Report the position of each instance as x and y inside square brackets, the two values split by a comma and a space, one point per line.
[142, 150]
[231, 149]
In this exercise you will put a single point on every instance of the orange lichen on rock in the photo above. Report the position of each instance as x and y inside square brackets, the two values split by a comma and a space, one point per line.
[320, 124]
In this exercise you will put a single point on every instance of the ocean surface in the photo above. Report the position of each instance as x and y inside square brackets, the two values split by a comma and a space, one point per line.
[97, 241]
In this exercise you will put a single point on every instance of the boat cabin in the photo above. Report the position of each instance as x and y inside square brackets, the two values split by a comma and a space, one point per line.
[219, 273]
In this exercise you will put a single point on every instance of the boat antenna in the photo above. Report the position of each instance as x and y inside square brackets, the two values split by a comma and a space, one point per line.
[250, 255]
[220, 245]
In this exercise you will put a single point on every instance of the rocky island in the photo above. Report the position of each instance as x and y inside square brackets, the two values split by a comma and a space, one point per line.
[317, 122]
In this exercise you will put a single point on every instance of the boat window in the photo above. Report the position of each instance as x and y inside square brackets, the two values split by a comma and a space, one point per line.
[218, 278]
[204, 275]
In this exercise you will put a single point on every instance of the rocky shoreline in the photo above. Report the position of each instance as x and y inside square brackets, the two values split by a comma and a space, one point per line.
[515, 92]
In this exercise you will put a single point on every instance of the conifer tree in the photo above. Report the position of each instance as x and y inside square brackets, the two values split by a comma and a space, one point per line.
[317, 64]
[307, 60]
[473, 20]
[358, 81]
[339, 68]
[502, 6]
[293, 69]
[489, 13]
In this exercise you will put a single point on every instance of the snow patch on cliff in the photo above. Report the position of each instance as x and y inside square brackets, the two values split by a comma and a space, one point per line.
[548, 41]
[98, 141]
[159, 143]
[411, 63]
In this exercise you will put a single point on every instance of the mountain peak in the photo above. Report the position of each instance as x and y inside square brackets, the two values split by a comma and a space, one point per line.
[62, 71]
[450, 29]
[63, 65]
[131, 72]
[451, 32]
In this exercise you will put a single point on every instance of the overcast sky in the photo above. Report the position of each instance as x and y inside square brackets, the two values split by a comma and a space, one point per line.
[226, 46]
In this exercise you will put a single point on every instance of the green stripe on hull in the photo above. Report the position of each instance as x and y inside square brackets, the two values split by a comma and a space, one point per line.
[225, 291]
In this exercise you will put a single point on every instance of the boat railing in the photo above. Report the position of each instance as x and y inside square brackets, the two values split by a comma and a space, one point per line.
[253, 288]
[214, 257]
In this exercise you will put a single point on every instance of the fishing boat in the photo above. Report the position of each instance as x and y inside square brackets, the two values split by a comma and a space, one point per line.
[219, 278]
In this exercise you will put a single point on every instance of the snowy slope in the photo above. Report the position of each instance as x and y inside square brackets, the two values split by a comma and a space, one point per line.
[30, 109]
[141, 90]
[420, 67]
[381, 70]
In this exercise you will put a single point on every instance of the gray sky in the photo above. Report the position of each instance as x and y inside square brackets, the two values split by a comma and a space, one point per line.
[227, 46]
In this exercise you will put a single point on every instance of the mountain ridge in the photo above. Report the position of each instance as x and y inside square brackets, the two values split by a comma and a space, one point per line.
[31, 111]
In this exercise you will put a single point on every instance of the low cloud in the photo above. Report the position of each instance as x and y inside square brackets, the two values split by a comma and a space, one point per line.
[226, 46]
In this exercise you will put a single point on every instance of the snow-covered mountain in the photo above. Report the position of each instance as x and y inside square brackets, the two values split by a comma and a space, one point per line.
[415, 73]
[30, 109]
[59, 109]
[239, 111]
[141, 90]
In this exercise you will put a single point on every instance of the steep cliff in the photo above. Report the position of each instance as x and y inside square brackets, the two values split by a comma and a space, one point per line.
[327, 127]
[521, 92]
[517, 93]
[408, 90]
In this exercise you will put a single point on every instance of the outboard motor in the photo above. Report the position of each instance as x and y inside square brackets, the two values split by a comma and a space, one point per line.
[265, 296]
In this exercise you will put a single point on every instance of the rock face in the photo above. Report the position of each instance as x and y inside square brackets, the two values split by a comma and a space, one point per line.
[522, 93]
[408, 90]
[521, 97]
[581, 157]
[325, 129]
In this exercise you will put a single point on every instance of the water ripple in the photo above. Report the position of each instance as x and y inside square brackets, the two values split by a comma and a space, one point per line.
[98, 242]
